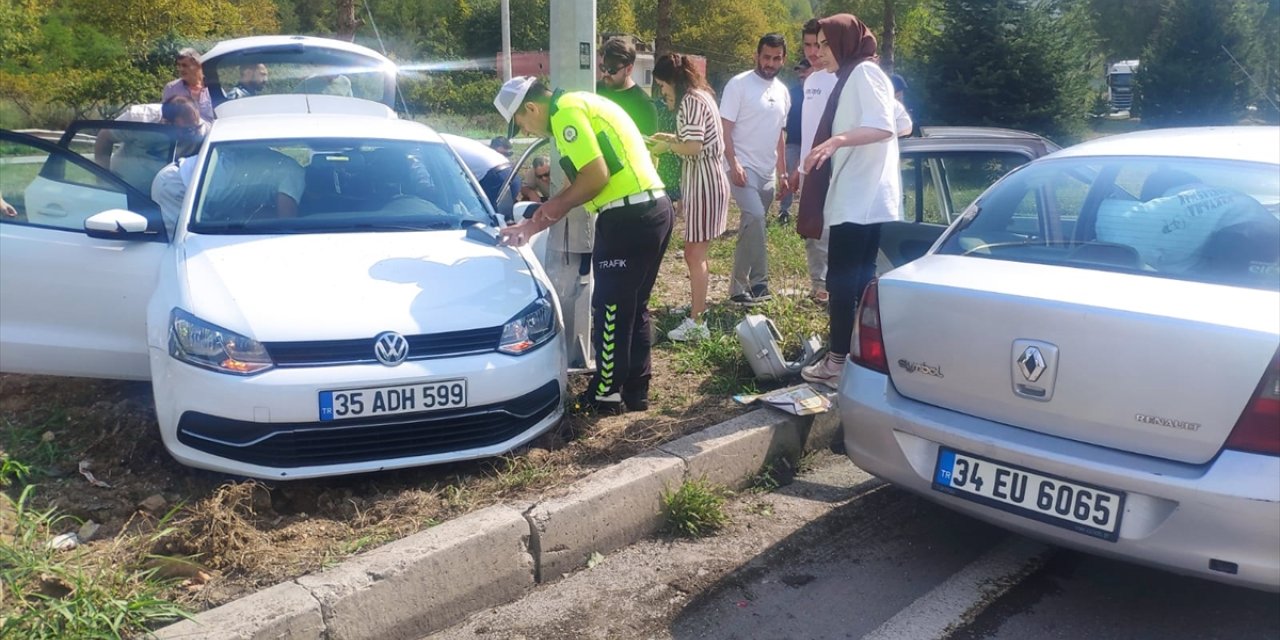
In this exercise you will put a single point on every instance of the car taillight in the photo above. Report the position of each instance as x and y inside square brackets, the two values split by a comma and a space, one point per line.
[868, 343]
[1258, 429]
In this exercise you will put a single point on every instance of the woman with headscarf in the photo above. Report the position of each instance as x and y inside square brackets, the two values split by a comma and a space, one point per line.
[852, 184]
[699, 140]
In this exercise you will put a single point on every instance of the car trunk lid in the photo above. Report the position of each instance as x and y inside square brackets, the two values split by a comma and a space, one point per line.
[1151, 365]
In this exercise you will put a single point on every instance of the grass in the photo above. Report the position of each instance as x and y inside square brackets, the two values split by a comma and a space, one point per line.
[35, 443]
[49, 593]
[696, 509]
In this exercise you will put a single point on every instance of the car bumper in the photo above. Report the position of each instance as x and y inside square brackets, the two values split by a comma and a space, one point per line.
[268, 426]
[1177, 516]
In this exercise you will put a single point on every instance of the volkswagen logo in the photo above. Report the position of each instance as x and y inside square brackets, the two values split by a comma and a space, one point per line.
[1031, 363]
[390, 348]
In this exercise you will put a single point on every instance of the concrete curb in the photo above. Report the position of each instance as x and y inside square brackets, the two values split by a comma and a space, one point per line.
[435, 578]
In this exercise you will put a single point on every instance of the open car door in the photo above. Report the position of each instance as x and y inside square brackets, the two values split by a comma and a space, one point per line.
[941, 177]
[71, 303]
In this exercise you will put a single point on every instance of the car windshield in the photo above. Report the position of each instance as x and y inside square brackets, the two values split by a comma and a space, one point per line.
[334, 185]
[294, 70]
[1191, 219]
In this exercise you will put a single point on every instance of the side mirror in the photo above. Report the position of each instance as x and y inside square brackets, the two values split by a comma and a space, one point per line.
[525, 210]
[117, 224]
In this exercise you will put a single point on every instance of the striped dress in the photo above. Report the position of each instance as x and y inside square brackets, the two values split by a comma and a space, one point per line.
[704, 183]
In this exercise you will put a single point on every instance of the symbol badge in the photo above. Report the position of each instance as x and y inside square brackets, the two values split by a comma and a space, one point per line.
[390, 348]
[1035, 369]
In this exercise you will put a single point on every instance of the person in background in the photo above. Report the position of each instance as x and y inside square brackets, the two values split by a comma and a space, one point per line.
[143, 153]
[699, 138]
[802, 69]
[617, 61]
[537, 185]
[817, 88]
[853, 184]
[611, 174]
[900, 115]
[490, 169]
[190, 83]
[669, 164]
[502, 145]
[253, 79]
[753, 112]
[7, 209]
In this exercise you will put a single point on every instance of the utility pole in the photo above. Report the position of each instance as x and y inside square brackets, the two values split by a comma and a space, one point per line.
[573, 68]
[506, 40]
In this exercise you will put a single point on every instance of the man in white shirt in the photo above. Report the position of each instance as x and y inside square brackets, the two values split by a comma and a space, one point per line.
[753, 109]
[817, 87]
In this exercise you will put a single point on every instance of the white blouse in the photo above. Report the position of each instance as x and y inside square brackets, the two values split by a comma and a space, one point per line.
[866, 186]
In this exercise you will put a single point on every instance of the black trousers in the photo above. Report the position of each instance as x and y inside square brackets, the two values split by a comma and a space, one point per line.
[851, 264]
[629, 245]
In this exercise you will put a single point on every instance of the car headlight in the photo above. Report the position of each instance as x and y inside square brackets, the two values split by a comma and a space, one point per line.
[197, 342]
[531, 327]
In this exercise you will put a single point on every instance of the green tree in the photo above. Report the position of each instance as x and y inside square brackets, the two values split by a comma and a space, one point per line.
[1008, 63]
[1124, 28]
[615, 16]
[897, 24]
[725, 32]
[1187, 75]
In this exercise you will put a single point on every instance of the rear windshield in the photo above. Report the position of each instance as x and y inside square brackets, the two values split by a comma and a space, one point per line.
[334, 185]
[296, 70]
[1199, 220]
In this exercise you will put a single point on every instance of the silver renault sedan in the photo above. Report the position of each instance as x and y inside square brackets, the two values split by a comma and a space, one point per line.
[1091, 355]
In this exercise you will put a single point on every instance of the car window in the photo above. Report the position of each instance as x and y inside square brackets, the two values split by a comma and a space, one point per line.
[334, 186]
[1201, 220]
[50, 187]
[936, 186]
[134, 152]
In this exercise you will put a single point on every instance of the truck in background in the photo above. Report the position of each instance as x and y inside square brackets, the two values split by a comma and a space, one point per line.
[1120, 84]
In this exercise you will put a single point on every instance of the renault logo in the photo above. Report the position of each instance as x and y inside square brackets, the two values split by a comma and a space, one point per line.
[1031, 363]
[390, 348]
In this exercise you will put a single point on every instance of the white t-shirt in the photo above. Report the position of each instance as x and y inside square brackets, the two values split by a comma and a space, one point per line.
[245, 180]
[866, 186]
[758, 110]
[817, 88]
[902, 119]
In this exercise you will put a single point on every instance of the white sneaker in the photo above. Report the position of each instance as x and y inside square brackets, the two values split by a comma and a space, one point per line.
[689, 330]
[824, 372]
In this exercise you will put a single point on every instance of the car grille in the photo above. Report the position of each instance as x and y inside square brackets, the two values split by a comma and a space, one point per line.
[291, 445]
[360, 351]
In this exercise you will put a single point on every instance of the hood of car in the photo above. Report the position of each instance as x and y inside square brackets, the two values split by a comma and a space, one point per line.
[354, 285]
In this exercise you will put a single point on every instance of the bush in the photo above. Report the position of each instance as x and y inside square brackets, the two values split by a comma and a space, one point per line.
[458, 92]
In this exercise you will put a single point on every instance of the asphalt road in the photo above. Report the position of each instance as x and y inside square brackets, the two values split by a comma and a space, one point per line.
[837, 554]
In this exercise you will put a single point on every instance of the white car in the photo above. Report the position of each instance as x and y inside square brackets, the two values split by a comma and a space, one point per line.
[329, 300]
[1091, 355]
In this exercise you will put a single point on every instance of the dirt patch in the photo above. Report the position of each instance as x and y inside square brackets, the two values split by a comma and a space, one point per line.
[233, 536]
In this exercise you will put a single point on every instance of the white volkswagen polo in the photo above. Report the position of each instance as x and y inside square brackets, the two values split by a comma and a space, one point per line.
[329, 298]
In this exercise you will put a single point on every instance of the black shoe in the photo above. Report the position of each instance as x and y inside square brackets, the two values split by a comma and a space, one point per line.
[784, 218]
[743, 299]
[610, 405]
[636, 399]
[760, 293]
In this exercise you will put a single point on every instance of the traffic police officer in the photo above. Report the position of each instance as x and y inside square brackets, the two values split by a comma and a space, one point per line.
[611, 175]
